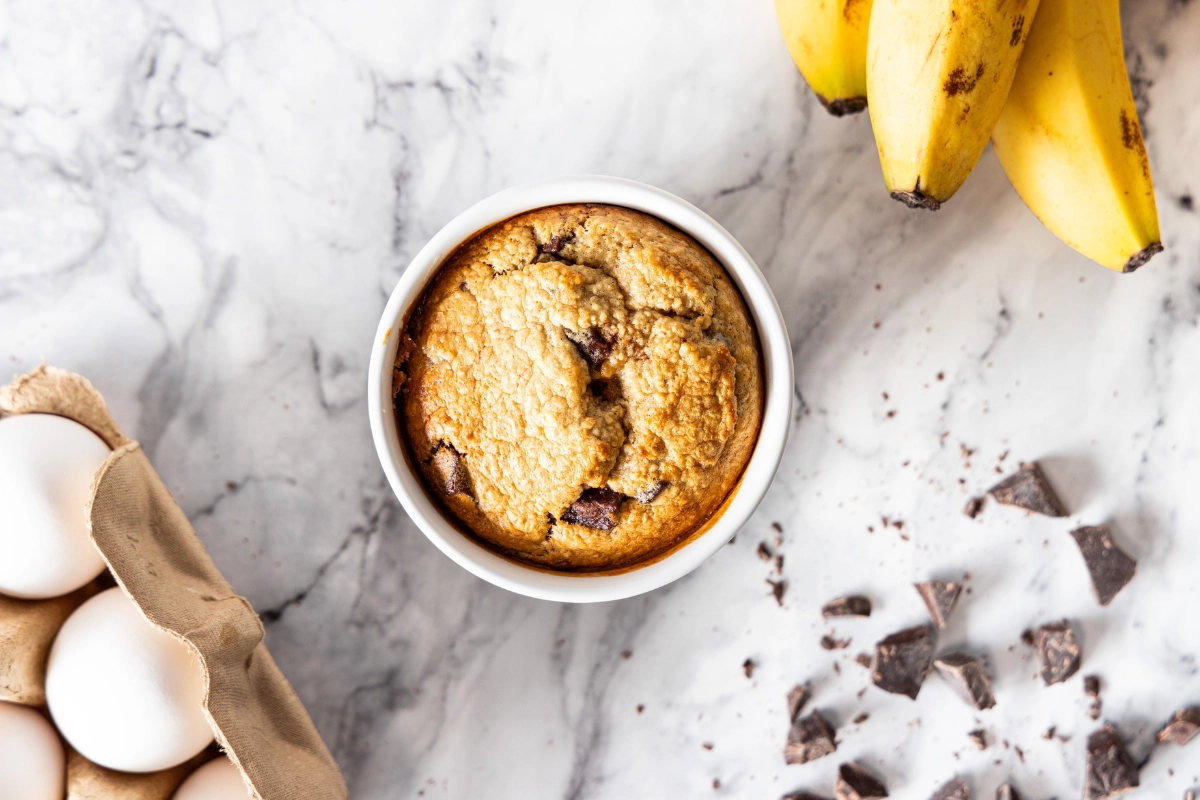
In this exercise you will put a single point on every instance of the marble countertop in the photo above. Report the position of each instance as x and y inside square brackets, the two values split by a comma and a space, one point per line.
[203, 206]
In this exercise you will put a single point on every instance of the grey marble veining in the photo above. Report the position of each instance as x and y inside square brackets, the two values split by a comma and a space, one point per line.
[203, 206]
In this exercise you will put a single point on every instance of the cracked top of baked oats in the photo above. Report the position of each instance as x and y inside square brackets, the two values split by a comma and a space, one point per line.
[580, 386]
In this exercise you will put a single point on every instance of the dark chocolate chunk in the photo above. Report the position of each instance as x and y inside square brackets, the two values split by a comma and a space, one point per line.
[853, 606]
[810, 738]
[1111, 771]
[978, 738]
[1058, 651]
[902, 661]
[954, 790]
[748, 667]
[777, 590]
[830, 643]
[802, 795]
[797, 698]
[594, 344]
[855, 783]
[595, 509]
[973, 507]
[1111, 567]
[651, 492]
[1182, 728]
[967, 678]
[940, 598]
[1007, 792]
[608, 391]
[1028, 488]
[553, 246]
[448, 464]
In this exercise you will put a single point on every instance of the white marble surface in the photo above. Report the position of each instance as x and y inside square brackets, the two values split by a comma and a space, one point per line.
[204, 204]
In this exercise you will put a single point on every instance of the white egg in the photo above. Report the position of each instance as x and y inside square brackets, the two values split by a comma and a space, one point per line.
[47, 464]
[216, 780]
[125, 694]
[32, 764]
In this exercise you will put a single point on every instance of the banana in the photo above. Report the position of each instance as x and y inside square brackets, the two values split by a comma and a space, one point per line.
[828, 42]
[938, 72]
[1069, 137]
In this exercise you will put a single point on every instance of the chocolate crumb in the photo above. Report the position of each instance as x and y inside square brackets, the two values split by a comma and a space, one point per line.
[716, 783]
[810, 738]
[778, 565]
[973, 507]
[595, 509]
[837, 668]
[1091, 687]
[797, 698]
[778, 528]
[1111, 771]
[231, 486]
[863, 660]
[1111, 567]
[553, 246]
[594, 344]
[851, 606]
[707, 746]
[763, 551]
[954, 790]
[1058, 651]
[626, 654]
[978, 738]
[1007, 792]
[1182, 728]
[967, 678]
[1028, 488]
[1028, 638]
[448, 464]
[940, 598]
[649, 494]
[1049, 734]
[748, 667]
[861, 718]
[640, 708]
[830, 643]
[777, 590]
[855, 783]
[902, 661]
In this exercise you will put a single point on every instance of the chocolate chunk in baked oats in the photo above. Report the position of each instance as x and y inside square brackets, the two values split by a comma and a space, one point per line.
[810, 738]
[1006, 792]
[553, 246]
[855, 783]
[954, 790]
[852, 606]
[1111, 771]
[595, 509]
[902, 661]
[1028, 488]
[594, 344]
[652, 491]
[797, 698]
[940, 598]
[1111, 567]
[1182, 728]
[448, 464]
[1058, 650]
[967, 677]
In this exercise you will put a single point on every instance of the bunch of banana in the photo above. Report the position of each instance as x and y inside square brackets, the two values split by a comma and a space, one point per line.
[1045, 80]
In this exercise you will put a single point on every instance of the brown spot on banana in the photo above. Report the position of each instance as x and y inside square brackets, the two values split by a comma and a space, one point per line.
[959, 82]
[1018, 29]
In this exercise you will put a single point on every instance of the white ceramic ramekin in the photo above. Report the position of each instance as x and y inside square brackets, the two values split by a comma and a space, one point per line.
[777, 364]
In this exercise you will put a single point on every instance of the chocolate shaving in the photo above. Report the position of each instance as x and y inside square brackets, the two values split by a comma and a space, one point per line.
[594, 344]
[940, 598]
[651, 492]
[1111, 771]
[1111, 567]
[902, 661]
[852, 606]
[830, 643]
[1028, 489]
[448, 464]
[855, 783]
[954, 790]
[1058, 651]
[595, 509]
[810, 738]
[1007, 792]
[553, 246]
[797, 698]
[1182, 728]
[978, 738]
[967, 678]
[973, 507]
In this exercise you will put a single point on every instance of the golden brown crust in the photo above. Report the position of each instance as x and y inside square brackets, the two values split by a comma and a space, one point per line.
[580, 347]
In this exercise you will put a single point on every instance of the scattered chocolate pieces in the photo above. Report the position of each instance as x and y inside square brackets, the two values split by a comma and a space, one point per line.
[902, 661]
[954, 790]
[797, 698]
[748, 667]
[1111, 567]
[967, 678]
[1058, 651]
[830, 643]
[594, 345]
[853, 606]
[810, 738]
[595, 509]
[1182, 728]
[1028, 488]
[940, 597]
[973, 507]
[553, 246]
[448, 464]
[803, 796]
[1111, 771]
[763, 551]
[978, 738]
[1007, 792]
[1091, 687]
[649, 494]
[777, 590]
[855, 783]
